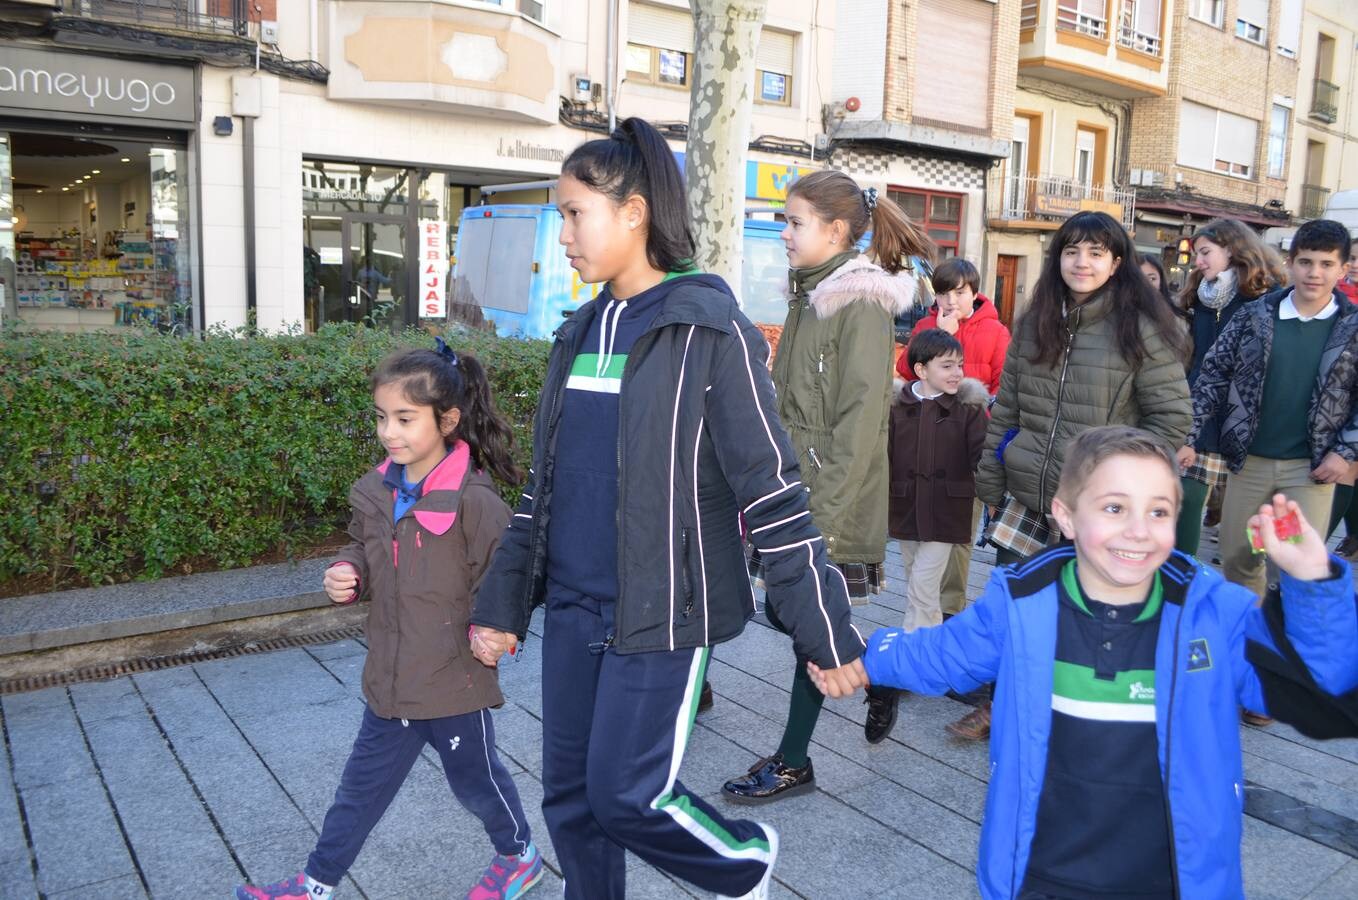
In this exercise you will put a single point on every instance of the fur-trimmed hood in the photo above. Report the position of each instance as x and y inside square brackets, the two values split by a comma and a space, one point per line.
[862, 279]
[971, 392]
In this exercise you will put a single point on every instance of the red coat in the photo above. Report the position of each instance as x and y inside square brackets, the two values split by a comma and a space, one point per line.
[1349, 289]
[984, 342]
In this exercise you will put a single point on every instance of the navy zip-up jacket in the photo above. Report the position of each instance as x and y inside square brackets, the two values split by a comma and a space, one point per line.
[699, 443]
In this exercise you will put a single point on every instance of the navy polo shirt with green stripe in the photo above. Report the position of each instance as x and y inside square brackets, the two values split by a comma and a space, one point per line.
[1102, 824]
[582, 535]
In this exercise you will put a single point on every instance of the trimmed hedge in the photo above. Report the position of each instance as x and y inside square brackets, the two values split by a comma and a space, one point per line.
[135, 455]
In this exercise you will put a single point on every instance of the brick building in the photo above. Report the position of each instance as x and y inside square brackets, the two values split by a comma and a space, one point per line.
[922, 104]
[1210, 145]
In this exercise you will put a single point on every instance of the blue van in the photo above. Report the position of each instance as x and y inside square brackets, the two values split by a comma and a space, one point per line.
[509, 272]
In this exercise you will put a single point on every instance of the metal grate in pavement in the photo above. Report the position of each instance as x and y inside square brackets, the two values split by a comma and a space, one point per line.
[104, 671]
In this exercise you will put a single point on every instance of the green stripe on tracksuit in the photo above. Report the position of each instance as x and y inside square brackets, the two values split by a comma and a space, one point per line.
[615, 728]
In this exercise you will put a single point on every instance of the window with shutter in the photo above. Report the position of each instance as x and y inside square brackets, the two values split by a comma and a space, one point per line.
[1289, 27]
[1236, 143]
[1277, 141]
[958, 93]
[1197, 135]
[773, 67]
[1251, 20]
[659, 44]
[1209, 11]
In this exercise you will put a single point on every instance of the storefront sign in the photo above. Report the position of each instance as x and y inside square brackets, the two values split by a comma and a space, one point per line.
[55, 82]
[433, 269]
[764, 180]
[523, 150]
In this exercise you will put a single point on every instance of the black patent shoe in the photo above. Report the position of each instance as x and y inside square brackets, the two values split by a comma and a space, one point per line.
[705, 697]
[770, 780]
[881, 719]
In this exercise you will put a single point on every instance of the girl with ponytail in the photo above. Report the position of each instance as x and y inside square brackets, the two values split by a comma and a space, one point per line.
[833, 374]
[425, 524]
[657, 430]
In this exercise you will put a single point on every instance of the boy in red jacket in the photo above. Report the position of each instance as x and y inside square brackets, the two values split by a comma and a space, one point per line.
[973, 320]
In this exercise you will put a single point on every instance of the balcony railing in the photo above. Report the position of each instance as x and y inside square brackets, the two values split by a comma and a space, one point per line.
[1069, 18]
[1055, 198]
[215, 16]
[1313, 200]
[1138, 40]
[1325, 101]
[1028, 14]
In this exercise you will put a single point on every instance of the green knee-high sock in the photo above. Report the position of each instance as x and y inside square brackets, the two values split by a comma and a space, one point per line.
[1188, 531]
[802, 714]
[1340, 508]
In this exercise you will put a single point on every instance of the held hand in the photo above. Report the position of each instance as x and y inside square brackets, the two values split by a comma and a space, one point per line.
[1187, 456]
[488, 645]
[947, 321]
[1305, 560]
[1331, 469]
[340, 583]
[840, 682]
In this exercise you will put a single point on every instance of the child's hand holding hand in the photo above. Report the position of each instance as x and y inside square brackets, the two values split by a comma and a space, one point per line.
[841, 682]
[341, 583]
[488, 645]
[1306, 558]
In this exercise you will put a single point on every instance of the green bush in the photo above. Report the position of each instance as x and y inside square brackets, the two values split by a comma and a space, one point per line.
[135, 455]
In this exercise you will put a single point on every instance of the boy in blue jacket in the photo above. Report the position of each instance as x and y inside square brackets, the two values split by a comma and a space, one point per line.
[1120, 664]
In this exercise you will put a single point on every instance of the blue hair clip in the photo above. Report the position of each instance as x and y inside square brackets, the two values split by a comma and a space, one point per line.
[448, 353]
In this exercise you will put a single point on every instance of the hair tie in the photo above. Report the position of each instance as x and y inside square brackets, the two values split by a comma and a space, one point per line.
[448, 353]
[870, 199]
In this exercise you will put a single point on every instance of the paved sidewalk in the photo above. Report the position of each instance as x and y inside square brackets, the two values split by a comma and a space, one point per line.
[186, 780]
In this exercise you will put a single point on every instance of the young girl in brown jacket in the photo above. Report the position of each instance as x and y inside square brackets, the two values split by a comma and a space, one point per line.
[425, 525]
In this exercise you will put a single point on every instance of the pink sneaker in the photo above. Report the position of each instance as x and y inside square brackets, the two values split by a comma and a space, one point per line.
[294, 888]
[508, 877]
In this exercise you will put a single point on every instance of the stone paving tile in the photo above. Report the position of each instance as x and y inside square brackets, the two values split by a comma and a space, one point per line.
[1342, 885]
[126, 887]
[45, 741]
[338, 650]
[947, 882]
[176, 841]
[1319, 763]
[75, 835]
[16, 877]
[924, 821]
[1279, 864]
[16, 865]
[1302, 786]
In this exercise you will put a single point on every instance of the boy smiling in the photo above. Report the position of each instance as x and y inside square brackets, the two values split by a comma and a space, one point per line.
[1115, 749]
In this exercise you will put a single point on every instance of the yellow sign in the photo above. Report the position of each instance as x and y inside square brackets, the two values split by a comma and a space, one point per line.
[1113, 209]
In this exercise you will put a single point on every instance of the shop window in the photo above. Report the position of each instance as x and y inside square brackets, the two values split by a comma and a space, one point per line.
[938, 213]
[101, 234]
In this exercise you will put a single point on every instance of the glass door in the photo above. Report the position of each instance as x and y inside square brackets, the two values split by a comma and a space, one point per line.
[376, 279]
[10, 220]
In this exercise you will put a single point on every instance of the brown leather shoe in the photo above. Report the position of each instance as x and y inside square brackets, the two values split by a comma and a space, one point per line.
[1258, 720]
[974, 726]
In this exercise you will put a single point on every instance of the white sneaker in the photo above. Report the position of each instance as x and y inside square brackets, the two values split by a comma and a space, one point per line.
[761, 890]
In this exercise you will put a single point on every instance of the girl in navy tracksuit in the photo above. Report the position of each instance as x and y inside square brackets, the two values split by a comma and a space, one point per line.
[655, 430]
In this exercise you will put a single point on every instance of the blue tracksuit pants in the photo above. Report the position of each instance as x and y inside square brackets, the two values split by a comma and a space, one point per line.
[614, 731]
[384, 753]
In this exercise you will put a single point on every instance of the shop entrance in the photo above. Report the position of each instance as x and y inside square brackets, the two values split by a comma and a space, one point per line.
[96, 231]
[356, 270]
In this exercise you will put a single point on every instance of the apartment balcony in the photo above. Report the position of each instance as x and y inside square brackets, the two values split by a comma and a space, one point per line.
[1110, 47]
[1325, 101]
[1313, 201]
[1043, 202]
[483, 62]
[218, 17]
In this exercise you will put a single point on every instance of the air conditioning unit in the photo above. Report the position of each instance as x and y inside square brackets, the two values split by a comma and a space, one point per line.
[1135, 176]
[1157, 179]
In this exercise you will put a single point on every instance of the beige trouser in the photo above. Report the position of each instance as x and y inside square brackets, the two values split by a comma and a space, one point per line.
[924, 565]
[953, 594]
[1253, 486]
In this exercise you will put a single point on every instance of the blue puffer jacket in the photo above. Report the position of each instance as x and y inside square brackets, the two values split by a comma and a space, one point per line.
[1206, 625]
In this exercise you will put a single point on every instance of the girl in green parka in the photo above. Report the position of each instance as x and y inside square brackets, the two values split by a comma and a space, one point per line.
[1098, 346]
[833, 374]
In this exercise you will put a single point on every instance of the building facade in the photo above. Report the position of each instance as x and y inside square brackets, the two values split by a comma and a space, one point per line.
[313, 187]
[921, 107]
[1323, 147]
[1081, 66]
[1214, 144]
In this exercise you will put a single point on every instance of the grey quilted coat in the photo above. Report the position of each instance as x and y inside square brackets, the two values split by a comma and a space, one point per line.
[1090, 384]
